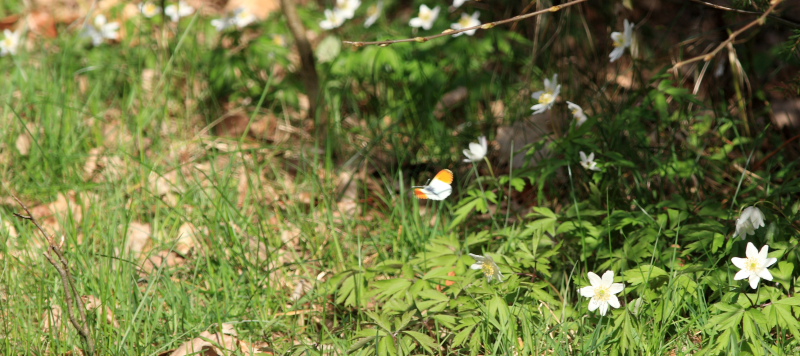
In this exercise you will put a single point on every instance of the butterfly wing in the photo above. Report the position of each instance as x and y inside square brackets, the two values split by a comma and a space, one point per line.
[439, 188]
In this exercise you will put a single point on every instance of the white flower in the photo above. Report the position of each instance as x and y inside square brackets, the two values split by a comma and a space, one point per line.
[602, 292]
[466, 21]
[476, 151]
[487, 265]
[176, 11]
[243, 17]
[149, 9]
[754, 266]
[577, 113]
[347, 8]
[373, 13]
[333, 19]
[101, 31]
[458, 3]
[10, 42]
[588, 162]
[621, 41]
[750, 220]
[222, 24]
[546, 97]
[425, 18]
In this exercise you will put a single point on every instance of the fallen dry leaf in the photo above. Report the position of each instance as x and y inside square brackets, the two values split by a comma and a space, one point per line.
[786, 113]
[24, 143]
[139, 238]
[213, 344]
[189, 238]
[91, 302]
[51, 319]
[42, 23]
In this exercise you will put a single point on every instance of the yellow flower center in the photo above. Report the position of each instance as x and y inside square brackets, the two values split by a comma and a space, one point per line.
[602, 294]
[488, 269]
[149, 9]
[753, 264]
[372, 10]
[465, 21]
[8, 42]
[620, 42]
[425, 16]
[546, 98]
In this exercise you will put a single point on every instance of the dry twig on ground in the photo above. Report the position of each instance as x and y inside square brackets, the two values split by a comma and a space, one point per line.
[59, 261]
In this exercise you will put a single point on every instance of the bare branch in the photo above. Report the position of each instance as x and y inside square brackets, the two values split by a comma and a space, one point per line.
[62, 266]
[710, 55]
[449, 32]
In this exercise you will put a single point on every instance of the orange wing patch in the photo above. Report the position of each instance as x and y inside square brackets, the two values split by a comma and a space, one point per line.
[445, 175]
[420, 193]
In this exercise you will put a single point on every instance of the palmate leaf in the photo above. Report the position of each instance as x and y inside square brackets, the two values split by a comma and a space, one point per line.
[730, 316]
[427, 342]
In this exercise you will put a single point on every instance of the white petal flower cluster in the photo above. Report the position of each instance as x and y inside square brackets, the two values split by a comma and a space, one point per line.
[465, 22]
[344, 10]
[10, 42]
[546, 97]
[602, 291]
[149, 9]
[176, 11]
[588, 162]
[754, 266]
[240, 18]
[101, 31]
[621, 41]
[458, 3]
[476, 151]
[751, 219]
[577, 113]
[373, 13]
[425, 18]
[488, 266]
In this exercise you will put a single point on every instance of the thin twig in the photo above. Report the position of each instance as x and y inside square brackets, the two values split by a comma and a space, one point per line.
[308, 71]
[62, 266]
[761, 162]
[449, 32]
[709, 56]
[730, 9]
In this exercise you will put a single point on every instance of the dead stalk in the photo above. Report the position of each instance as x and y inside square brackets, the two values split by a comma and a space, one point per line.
[450, 32]
[59, 261]
[710, 55]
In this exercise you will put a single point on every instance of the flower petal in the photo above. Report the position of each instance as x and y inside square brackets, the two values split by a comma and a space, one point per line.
[613, 301]
[608, 278]
[739, 262]
[594, 279]
[616, 288]
[764, 273]
[754, 279]
[603, 308]
[770, 262]
[587, 292]
[741, 275]
[751, 251]
[594, 304]
[478, 265]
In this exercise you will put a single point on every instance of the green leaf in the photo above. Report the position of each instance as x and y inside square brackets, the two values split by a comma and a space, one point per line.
[462, 335]
[793, 301]
[730, 317]
[427, 342]
[643, 273]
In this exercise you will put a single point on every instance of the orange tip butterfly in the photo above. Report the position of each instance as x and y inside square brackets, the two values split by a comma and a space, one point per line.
[438, 189]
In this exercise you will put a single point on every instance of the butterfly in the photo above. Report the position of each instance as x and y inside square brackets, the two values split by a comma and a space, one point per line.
[438, 189]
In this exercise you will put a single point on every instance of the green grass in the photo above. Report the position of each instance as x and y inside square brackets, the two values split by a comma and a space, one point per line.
[279, 255]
